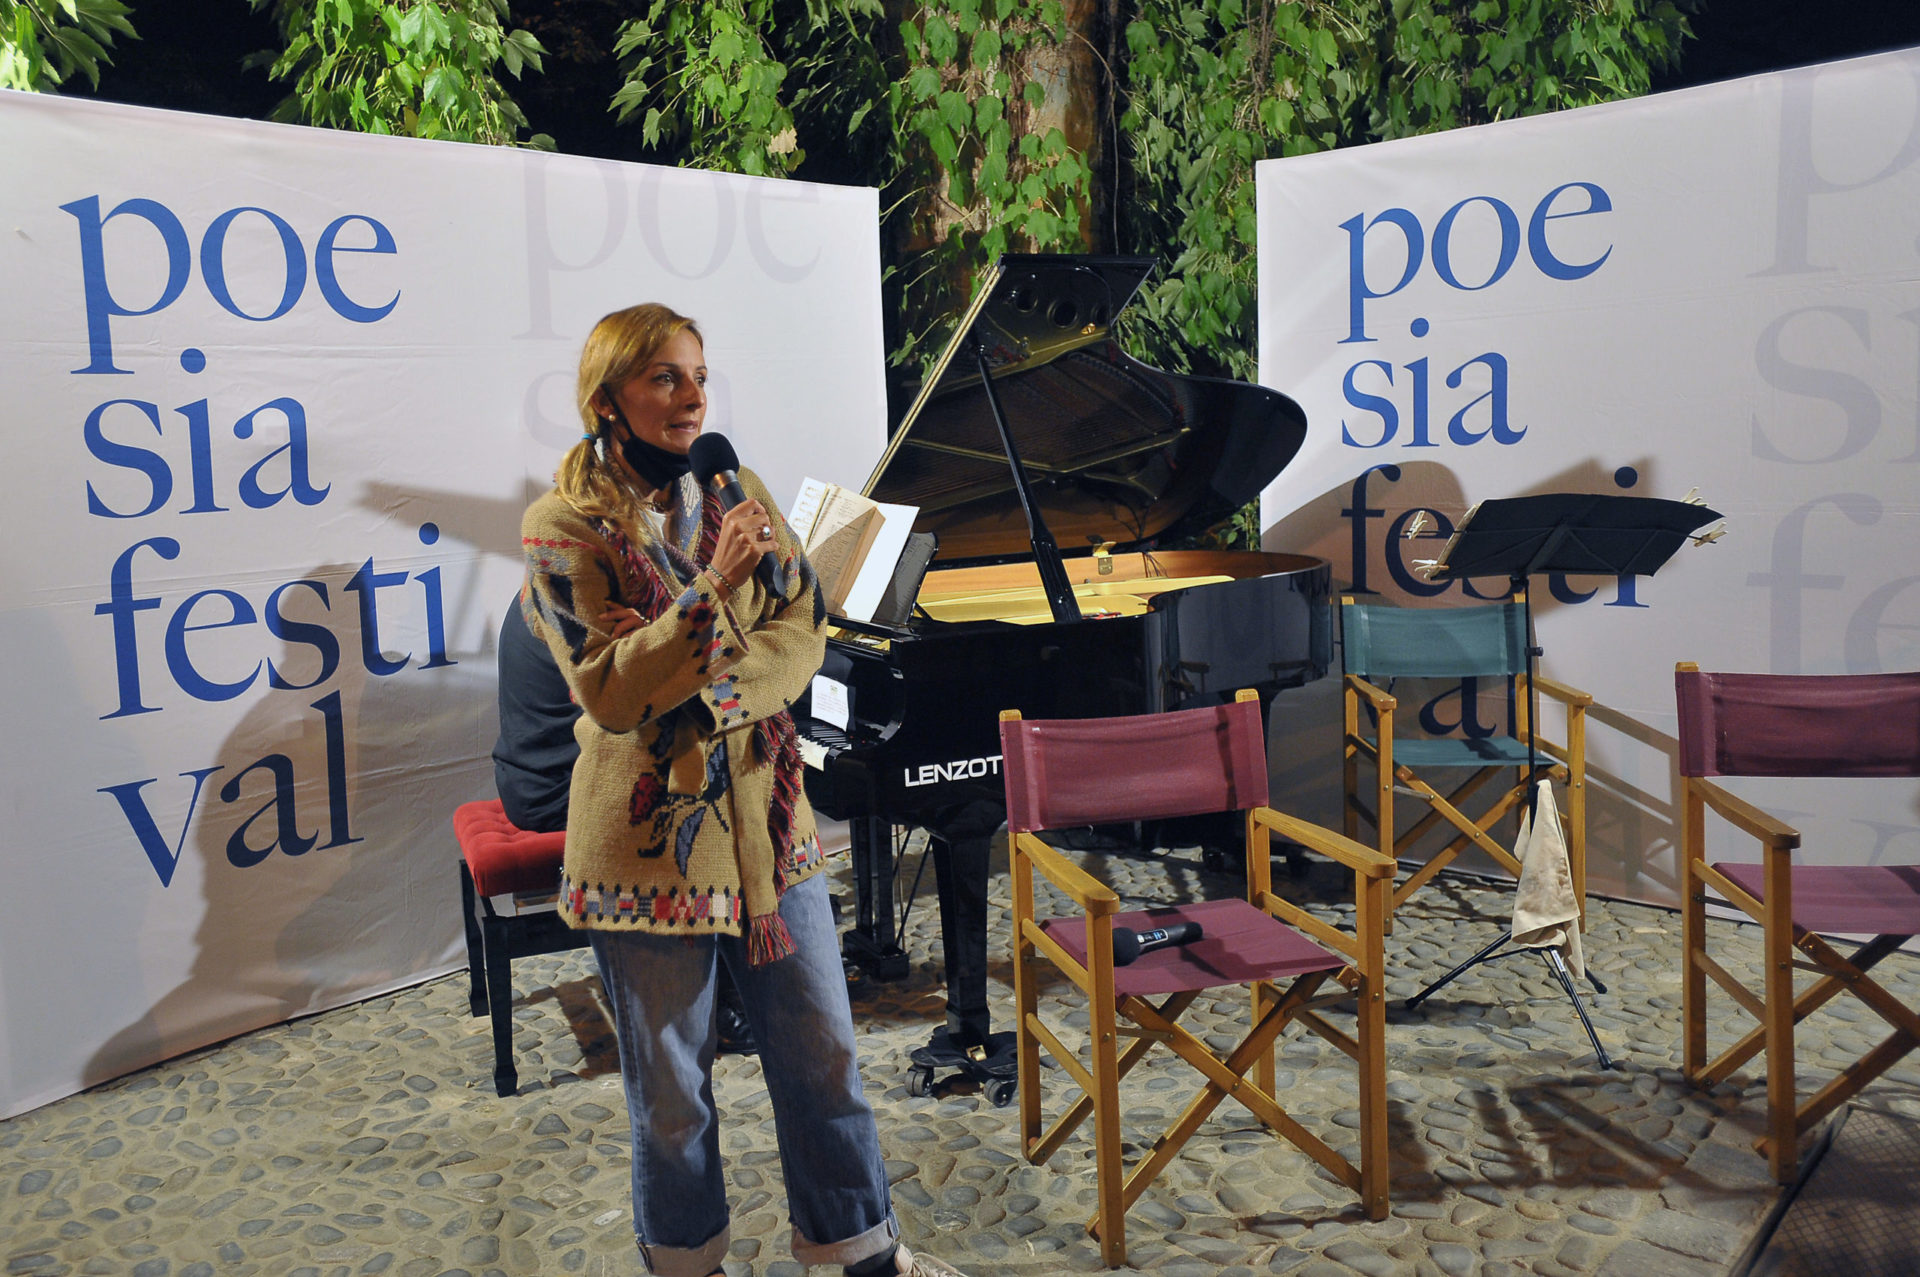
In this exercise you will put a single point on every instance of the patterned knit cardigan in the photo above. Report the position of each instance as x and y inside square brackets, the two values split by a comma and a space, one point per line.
[686, 815]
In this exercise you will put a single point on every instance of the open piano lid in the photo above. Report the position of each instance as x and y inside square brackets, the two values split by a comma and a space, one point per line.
[1115, 451]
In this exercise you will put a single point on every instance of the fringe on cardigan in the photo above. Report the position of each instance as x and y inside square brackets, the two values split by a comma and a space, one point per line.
[776, 741]
[768, 940]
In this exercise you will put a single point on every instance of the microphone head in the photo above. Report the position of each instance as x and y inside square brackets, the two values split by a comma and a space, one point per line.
[1126, 945]
[709, 455]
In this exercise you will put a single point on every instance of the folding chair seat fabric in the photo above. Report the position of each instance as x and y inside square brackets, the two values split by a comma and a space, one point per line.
[1063, 773]
[1239, 945]
[499, 859]
[1852, 899]
[1380, 644]
[1780, 725]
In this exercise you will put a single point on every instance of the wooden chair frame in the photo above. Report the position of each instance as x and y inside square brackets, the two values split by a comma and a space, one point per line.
[1778, 1010]
[1568, 766]
[1273, 1009]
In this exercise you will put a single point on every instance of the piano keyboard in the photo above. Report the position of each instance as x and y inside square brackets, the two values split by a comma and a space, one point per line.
[818, 742]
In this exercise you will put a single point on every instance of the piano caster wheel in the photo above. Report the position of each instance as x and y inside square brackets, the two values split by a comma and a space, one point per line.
[1002, 1093]
[919, 1082]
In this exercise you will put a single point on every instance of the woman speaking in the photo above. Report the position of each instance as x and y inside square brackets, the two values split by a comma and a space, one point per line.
[689, 838]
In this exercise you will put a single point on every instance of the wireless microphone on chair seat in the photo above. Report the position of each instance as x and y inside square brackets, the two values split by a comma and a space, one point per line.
[712, 457]
[1129, 944]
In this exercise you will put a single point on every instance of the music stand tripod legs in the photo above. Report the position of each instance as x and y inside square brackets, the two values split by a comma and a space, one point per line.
[1555, 963]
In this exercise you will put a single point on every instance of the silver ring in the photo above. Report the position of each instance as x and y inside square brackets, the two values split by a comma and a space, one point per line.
[766, 533]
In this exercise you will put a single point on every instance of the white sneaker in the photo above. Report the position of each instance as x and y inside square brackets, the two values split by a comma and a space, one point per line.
[912, 1265]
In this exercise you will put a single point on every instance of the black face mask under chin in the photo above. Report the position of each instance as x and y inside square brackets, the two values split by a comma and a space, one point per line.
[657, 466]
[660, 468]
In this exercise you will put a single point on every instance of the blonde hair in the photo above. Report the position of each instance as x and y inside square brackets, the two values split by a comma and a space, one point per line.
[620, 346]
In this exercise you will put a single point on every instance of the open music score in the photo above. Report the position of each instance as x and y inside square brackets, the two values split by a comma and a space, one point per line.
[852, 542]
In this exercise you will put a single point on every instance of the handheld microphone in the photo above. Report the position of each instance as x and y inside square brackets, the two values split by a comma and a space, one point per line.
[713, 458]
[1129, 944]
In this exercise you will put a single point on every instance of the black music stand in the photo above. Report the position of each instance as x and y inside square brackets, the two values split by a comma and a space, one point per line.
[1605, 534]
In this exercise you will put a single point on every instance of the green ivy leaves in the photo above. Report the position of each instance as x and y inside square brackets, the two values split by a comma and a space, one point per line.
[1214, 86]
[45, 42]
[707, 78]
[981, 169]
[420, 68]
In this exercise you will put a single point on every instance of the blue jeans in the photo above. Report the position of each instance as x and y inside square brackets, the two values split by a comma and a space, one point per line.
[661, 989]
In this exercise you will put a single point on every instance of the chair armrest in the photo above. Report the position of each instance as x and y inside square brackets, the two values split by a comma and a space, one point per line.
[1379, 698]
[1744, 814]
[1362, 859]
[1086, 890]
[1561, 692]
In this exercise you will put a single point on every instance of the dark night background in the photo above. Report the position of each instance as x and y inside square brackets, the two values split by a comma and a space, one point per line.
[189, 57]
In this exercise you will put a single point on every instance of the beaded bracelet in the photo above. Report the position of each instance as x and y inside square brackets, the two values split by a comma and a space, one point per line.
[722, 584]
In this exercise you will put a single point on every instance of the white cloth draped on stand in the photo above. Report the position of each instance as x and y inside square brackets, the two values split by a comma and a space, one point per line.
[1546, 909]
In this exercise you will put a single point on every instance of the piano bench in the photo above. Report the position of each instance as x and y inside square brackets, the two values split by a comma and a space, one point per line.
[498, 859]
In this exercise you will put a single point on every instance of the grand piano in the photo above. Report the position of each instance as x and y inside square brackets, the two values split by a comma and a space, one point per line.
[1035, 425]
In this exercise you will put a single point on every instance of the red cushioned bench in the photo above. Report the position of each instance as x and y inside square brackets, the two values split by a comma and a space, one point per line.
[499, 859]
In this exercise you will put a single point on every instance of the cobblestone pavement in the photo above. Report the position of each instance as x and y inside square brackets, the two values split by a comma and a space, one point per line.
[368, 1139]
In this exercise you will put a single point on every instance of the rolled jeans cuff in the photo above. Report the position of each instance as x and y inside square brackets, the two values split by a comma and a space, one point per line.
[878, 1240]
[680, 1261]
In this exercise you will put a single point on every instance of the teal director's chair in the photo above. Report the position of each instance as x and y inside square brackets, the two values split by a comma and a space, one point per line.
[1382, 643]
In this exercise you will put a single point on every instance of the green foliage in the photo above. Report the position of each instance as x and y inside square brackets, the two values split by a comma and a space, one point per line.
[932, 103]
[704, 78]
[43, 42]
[980, 171]
[1212, 86]
[1502, 58]
[420, 68]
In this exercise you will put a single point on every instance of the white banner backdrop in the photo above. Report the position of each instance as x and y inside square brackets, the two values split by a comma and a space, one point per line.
[275, 399]
[1715, 288]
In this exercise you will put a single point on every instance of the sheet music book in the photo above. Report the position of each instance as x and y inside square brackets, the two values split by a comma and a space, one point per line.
[852, 542]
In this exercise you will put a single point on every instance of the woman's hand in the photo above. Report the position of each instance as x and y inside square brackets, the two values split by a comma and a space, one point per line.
[620, 621]
[745, 534]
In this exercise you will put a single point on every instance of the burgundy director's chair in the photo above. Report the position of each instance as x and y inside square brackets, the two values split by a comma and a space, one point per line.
[1793, 725]
[1062, 773]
